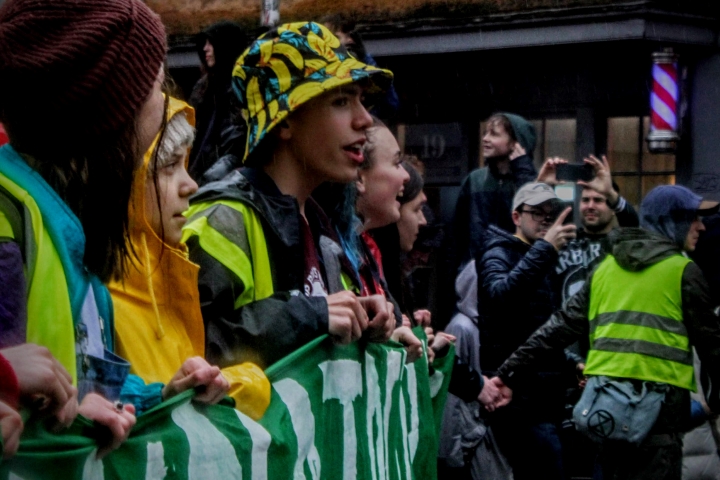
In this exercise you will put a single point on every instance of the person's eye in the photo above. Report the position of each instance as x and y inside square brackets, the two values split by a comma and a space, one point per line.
[341, 101]
[171, 166]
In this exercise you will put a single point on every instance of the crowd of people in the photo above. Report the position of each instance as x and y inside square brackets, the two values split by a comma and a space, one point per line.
[553, 314]
[148, 247]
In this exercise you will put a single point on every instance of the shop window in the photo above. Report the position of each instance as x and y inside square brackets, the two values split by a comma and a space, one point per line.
[441, 148]
[634, 168]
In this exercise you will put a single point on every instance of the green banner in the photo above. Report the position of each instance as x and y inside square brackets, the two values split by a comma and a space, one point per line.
[336, 412]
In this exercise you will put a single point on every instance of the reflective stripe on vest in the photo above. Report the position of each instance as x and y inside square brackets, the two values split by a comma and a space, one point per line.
[636, 323]
[245, 253]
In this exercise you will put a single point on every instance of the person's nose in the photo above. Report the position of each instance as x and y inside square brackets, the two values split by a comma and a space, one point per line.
[362, 119]
[188, 186]
[423, 220]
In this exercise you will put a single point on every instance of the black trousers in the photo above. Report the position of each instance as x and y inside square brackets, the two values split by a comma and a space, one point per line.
[658, 458]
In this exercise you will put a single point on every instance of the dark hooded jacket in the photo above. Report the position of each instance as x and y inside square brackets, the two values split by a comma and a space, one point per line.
[218, 134]
[265, 330]
[486, 195]
[515, 297]
[634, 249]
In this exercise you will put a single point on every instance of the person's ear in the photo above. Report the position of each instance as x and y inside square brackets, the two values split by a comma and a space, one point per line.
[516, 218]
[360, 183]
[284, 131]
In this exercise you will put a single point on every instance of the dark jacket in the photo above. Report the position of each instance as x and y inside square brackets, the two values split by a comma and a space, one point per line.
[266, 330]
[580, 256]
[486, 196]
[515, 297]
[370, 269]
[218, 132]
[634, 249]
[707, 255]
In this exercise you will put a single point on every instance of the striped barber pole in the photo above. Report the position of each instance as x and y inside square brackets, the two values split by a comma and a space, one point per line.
[664, 96]
[270, 14]
[664, 103]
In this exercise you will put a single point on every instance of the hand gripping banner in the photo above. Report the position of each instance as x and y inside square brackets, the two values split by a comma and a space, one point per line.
[336, 412]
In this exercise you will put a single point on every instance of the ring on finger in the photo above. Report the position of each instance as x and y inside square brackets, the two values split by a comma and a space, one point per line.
[119, 406]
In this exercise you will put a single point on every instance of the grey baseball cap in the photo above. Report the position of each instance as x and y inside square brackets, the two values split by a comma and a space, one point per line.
[534, 194]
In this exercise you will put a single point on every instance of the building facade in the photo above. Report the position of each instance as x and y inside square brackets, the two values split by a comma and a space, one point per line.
[580, 70]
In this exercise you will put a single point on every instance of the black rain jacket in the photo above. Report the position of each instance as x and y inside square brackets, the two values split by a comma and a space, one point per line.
[515, 297]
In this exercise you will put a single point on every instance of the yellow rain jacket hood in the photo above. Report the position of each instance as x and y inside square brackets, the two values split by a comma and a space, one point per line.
[158, 321]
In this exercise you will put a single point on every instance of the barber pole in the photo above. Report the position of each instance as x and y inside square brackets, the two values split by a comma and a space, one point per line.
[270, 15]
[664, 103]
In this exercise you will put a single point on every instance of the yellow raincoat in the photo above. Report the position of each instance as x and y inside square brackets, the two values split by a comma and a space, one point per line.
[157, 305]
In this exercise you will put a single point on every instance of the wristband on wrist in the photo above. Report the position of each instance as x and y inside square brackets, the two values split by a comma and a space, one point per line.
[9, 386]
[620, 205]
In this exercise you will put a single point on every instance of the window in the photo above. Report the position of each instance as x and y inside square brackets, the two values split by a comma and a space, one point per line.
[634, 168]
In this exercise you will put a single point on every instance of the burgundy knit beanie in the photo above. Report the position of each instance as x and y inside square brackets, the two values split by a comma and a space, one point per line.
[78, 67]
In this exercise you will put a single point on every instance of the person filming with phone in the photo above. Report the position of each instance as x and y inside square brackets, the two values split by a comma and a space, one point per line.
[643, 310]
[515, 297]
[601, 210]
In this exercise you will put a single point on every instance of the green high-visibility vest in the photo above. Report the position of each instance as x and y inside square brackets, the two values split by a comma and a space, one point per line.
[231, 232]
[50, 320]
[636, 323]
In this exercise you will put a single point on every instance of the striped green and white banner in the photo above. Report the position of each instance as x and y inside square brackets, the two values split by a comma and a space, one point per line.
[337, 412]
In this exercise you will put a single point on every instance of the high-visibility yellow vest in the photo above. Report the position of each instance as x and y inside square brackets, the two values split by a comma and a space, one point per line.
[244, 255]
[61, 292]
[636, 323]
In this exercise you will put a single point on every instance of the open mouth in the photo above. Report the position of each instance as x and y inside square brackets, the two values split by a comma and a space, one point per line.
[355, 152]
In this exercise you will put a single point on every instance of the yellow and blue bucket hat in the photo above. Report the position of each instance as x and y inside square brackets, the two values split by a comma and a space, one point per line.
[289, 65]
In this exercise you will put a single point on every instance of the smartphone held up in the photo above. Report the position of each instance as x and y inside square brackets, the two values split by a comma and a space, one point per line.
[570, 172]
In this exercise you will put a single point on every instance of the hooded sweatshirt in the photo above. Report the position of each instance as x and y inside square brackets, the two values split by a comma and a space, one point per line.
[464, 324]
[486, 195]
[669, 210]
[462, 426]
[157, 305]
